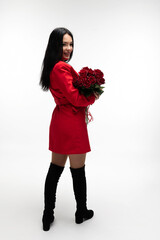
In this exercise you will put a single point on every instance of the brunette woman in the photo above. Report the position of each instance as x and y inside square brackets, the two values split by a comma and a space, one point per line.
[68, 136]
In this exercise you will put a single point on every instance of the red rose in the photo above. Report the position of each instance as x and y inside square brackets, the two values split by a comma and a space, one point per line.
[84, 72]
[80, 82]
[87, 83]
[92, 80]
[98, 73]
[100, 81]
[90, 72]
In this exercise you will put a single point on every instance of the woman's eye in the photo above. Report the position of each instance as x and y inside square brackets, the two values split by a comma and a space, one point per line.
[65, 44]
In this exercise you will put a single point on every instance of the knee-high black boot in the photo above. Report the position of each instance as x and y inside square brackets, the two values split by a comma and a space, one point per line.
[80, 191]
[51, 182]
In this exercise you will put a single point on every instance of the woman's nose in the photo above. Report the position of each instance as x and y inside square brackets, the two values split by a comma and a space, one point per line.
[69, 47]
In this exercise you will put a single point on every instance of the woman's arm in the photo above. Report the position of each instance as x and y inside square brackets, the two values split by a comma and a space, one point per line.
[62, 77]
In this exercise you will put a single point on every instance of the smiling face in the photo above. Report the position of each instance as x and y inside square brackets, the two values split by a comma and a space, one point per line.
[67, 47]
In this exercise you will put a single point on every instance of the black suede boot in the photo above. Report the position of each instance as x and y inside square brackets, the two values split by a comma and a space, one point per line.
[51, 182]
[80, 191]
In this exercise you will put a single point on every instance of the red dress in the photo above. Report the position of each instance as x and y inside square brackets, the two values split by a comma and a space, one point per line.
[68, 129]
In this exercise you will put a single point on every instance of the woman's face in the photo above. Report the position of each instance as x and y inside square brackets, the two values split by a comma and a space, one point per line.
[67, 47]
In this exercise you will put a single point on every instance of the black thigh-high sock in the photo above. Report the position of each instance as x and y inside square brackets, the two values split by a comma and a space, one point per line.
[80, 192]
[50, 188]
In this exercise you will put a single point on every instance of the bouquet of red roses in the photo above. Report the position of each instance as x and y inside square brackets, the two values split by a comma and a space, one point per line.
[89, 81]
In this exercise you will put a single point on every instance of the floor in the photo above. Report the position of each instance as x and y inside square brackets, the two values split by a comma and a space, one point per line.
[124, 193]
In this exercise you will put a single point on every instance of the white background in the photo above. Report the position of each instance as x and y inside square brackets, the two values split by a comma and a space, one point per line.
[122, 39]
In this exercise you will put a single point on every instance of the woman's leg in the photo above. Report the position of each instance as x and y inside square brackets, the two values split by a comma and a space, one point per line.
[77, 162]
[59, 159]
[52, 178]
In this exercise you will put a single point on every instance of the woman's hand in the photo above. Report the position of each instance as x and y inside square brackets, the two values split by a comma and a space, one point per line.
[96, 95]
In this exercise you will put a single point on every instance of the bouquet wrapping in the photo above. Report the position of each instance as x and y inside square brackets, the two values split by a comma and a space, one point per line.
[88, 82]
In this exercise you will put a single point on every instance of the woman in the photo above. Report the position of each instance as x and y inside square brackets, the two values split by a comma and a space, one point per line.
[68, 135]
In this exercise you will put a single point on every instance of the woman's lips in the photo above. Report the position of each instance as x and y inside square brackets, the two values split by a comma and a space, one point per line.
[67, 54]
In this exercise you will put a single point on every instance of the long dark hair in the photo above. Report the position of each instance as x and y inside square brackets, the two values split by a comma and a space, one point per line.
[53, 55]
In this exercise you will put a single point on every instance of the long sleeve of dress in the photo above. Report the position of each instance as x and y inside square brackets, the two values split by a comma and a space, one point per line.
[62, 77]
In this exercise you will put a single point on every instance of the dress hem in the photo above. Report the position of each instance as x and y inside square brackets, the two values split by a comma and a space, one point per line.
[68, 153]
